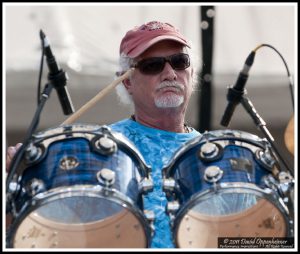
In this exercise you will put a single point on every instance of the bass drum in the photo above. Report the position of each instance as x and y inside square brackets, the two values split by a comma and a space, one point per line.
[222, 184]
[81, 186]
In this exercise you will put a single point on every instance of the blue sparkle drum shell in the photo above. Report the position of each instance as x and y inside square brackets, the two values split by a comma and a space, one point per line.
[80, 187]
[221, 185]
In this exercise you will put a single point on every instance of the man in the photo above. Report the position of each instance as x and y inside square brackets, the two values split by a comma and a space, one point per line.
[160, 88]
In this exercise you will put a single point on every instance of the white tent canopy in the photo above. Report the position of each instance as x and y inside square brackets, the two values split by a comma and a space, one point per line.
[86, 37]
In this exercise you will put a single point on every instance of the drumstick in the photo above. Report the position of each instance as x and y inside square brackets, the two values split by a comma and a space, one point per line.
[99, 96]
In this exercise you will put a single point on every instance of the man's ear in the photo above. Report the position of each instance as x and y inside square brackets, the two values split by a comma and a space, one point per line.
[128, 85]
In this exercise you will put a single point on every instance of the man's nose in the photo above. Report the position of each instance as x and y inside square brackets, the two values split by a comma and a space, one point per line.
[168, 72]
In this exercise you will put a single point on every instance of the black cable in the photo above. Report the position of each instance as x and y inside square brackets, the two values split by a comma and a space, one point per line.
[32, 128]
[292, 96]
[291, 85]
[41, 99]
[40, 73]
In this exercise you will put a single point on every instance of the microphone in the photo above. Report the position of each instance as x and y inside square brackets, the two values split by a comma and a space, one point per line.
[236, 92]
[57, 77]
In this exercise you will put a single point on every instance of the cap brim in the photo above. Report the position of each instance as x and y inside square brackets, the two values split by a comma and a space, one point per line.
[143, 47]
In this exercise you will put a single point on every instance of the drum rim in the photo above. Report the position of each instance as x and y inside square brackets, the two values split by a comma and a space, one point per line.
[94, 130]
[93, 191]
[267, 193]
[201, 139]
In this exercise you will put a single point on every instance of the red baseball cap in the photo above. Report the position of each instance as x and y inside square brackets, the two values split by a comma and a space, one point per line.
[137, 40]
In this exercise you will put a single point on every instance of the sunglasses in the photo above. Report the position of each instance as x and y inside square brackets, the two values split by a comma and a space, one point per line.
[155, 65]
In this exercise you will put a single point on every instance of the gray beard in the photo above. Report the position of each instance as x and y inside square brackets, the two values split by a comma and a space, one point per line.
[170, 101]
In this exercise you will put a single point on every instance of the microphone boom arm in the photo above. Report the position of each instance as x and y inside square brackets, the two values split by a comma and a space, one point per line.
[261, 124]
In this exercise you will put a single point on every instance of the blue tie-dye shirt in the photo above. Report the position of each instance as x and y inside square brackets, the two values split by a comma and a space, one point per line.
[157, 147]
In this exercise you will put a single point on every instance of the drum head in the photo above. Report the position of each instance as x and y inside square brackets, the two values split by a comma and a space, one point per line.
[229, 213]
[81, 221]
[221, 185]
[80, 189]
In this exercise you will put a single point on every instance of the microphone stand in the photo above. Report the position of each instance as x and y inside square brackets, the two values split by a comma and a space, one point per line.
[18, 156]
[261, 124]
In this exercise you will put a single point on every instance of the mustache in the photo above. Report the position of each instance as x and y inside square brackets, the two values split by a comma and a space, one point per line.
[175, 84]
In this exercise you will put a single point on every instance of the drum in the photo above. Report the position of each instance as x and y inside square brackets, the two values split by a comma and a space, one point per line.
[222, 184]
[81, 186]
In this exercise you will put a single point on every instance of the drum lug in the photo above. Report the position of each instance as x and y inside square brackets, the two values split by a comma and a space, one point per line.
[105, 145]
[285, 178]
[286, 183]
[147, 185]
[282, 189]
[270, 182]
[172, 206]
[33, 153]
[13, 186]
[265, 159]
[106, 177]
[35, 186]
[209, 151]
[150, 216]
[213, 174]
[169, 184]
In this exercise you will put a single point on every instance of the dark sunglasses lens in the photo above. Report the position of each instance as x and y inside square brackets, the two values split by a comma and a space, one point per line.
[152, 66]
[180, 62]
